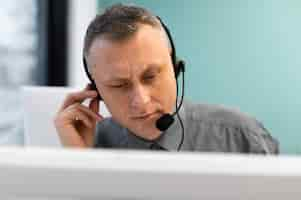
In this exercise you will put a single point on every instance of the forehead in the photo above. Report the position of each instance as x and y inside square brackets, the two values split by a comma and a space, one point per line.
[147, 46]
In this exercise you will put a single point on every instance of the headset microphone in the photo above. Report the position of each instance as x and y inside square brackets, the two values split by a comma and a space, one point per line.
[166, 120]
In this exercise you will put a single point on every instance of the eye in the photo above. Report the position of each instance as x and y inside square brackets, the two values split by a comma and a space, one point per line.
[150, 77]
[121, 85]
[117, 86]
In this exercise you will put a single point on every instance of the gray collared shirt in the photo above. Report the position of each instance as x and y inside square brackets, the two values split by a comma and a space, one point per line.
[207, 128]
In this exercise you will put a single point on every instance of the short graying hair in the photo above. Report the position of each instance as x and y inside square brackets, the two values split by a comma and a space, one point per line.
[118, 22]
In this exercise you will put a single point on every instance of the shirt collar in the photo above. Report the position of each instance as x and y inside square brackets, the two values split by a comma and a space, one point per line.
[169, 139]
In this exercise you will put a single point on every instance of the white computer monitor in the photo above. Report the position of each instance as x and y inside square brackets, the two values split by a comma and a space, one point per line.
[35, 173]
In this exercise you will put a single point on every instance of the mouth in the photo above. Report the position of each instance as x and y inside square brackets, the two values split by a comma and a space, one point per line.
[146, 116]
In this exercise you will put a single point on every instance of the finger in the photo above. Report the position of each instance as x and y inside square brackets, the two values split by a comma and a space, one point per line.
[94, 105]
[77, 97]
[75, 115]
[87, 111]
[91, 113]
[80, 116]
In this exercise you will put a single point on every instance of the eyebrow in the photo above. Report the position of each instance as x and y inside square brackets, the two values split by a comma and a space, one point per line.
[149, 69]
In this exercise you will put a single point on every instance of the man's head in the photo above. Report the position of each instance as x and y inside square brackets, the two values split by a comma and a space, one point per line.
[129, 59]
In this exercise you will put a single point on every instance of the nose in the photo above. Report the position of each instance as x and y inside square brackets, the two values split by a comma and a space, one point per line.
[139, 97]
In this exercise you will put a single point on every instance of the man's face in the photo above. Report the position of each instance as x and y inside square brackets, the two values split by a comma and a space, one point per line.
[136, 79]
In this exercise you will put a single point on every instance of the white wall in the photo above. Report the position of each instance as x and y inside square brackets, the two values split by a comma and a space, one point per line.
[81, 13]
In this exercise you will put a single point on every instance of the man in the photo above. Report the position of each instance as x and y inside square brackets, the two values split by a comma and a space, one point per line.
[128, 55]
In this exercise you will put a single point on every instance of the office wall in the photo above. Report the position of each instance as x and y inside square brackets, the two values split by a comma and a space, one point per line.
[241, 53]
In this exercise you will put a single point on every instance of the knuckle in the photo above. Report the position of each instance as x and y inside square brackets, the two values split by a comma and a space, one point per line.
[70, 96]
[74, 106]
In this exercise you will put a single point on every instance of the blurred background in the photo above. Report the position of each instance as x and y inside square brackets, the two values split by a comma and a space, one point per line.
[239, 53]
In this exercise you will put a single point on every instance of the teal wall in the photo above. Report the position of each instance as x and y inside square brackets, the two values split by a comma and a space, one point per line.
[241, 53]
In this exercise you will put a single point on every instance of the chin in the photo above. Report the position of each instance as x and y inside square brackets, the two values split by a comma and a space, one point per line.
[148, 133]
[153, 136]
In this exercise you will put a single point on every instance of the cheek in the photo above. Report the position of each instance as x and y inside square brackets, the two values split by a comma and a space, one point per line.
[166, 91]
[115, 105]
[118, 112]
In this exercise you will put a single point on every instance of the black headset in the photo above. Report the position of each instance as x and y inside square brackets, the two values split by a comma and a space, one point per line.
[179, 66]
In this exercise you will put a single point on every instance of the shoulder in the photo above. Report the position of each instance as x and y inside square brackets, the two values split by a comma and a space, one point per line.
[219, 114]
[232, 125]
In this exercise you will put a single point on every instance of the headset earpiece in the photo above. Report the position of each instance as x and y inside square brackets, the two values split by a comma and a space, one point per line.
[179, 67]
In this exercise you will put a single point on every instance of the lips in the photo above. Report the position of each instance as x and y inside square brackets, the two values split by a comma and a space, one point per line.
[146, 116]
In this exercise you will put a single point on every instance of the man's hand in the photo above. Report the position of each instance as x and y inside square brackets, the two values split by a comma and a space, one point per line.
[75, 122]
